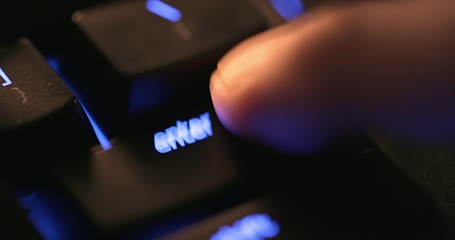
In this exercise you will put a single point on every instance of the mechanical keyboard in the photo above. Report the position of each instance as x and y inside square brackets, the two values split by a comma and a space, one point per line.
[107, 131]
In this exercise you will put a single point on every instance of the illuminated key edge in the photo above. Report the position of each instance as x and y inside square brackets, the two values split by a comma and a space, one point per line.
[102, 139]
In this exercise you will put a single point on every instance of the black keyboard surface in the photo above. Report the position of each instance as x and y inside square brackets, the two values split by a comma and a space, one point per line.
[107, 131]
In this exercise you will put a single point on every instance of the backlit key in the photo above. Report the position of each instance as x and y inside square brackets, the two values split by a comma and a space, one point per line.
[132, 57]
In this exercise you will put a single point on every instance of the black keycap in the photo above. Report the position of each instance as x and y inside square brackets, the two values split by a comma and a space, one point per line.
[177, 159]
[368, 197]
[136, 39]
[39, 114]
[123, 186]
[129, 55]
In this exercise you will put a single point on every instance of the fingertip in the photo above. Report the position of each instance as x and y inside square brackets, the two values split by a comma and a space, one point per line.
[223, 99]
[260, 92]
[217, 92]
[276, 122]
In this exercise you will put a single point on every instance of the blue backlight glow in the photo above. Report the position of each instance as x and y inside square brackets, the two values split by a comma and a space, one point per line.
[41, 217]
[6, 79]
[54, 217]
[288, 9]
[102, 139]
[44, 217]
[54, 63]
[186, 132]
[104, 142]
[163, 10]
[252, 227]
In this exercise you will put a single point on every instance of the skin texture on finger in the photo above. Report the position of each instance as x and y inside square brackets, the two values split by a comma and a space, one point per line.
[373, 66]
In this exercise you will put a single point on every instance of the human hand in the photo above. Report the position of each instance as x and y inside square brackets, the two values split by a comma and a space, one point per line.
[375, 66]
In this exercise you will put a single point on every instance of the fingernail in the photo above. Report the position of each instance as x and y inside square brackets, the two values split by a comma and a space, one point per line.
[217, 85]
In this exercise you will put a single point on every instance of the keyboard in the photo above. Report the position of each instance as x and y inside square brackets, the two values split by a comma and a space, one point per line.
[107, 131]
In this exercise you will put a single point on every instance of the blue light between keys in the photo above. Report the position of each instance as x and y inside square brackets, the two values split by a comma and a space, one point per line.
[45, 217]
[163, 10]
[102, 139]
[288, 9]
[104, 142]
